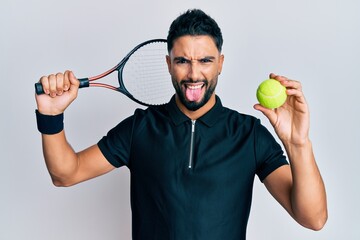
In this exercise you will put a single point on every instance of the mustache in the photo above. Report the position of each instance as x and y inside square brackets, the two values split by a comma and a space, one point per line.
[192, 81]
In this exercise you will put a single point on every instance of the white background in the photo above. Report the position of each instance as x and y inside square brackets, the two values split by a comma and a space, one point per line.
[316, 42]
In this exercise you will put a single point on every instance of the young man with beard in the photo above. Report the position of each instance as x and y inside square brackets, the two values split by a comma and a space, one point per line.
[193, 161]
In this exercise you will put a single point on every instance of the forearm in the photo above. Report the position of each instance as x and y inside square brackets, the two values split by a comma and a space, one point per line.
[60, 158]
[308, 196]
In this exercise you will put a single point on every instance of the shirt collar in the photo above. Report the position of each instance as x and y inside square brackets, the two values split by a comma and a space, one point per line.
[209, 119]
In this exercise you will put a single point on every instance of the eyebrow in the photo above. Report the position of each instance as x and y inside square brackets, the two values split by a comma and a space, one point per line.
[184, 58]
[180, 59]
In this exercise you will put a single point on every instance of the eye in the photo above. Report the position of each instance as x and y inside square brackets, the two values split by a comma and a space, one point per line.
[181, 60]
[206, 60]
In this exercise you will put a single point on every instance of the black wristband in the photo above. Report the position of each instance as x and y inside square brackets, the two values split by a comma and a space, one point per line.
[48, 124]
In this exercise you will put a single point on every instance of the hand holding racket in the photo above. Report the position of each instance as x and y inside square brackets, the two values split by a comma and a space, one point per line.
[142, 75]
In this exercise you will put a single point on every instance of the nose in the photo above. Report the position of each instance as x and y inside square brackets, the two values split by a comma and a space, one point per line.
[194, 71]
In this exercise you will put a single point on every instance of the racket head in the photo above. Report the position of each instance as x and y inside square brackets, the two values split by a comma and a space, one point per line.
[143, 74]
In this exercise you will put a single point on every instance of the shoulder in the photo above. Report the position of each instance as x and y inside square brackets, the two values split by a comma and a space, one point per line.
[151, 113]
[250, 124]
[239, 119]
[150, 117]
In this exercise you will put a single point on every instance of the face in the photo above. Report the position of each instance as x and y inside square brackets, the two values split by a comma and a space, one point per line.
[194, 64]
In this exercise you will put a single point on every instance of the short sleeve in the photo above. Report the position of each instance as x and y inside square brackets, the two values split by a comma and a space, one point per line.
[269, 154]
[115, 146]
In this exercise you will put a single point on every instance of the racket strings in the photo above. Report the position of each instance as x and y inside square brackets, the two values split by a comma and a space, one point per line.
[146, 76]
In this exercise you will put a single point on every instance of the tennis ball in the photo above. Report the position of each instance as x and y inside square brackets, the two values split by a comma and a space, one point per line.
[271, 94]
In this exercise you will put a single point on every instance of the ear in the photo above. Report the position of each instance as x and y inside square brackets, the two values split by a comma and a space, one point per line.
[221, 61]
[168, 61]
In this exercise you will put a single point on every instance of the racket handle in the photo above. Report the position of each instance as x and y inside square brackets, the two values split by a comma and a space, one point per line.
[84, 82]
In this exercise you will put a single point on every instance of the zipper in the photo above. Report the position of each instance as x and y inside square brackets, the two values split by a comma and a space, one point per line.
[192, 143]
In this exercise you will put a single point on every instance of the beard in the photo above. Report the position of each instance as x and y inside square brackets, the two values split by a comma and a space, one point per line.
[180, 89]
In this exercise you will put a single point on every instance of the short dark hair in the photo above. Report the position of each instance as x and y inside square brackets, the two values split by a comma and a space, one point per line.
[194, 22]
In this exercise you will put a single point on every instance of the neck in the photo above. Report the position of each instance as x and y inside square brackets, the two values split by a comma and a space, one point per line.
[194, 115]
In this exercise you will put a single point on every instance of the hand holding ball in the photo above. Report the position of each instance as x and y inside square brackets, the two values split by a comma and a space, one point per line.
[271, 94]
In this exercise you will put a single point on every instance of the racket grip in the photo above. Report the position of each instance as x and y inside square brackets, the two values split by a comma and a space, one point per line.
[84, 82]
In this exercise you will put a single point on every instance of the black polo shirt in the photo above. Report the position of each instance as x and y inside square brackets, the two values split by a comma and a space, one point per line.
[191, 180]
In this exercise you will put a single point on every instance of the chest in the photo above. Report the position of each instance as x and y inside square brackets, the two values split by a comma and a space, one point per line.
[193, 153]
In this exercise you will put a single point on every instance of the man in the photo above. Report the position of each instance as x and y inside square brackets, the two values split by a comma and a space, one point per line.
[193, 161]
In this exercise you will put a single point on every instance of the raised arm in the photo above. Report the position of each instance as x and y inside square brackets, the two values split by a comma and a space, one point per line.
[66, 167]
[299, 188]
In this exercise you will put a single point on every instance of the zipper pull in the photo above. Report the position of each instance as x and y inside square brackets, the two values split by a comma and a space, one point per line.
[193, 126]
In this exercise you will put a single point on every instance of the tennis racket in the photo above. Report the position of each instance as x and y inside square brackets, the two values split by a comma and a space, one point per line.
[142, 75]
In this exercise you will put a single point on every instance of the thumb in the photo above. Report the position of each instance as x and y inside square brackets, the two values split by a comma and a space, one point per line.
[74, 82]
[73, 79]
[269, 113]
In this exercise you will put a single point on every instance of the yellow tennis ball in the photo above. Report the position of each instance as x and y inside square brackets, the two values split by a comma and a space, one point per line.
[271, 94]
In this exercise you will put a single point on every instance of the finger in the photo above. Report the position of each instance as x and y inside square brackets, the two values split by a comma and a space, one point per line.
[293, 88]
[278, 77]
[272, 75]
[286, 82]
[52, 85]
[59, 83]
[296, 93]
[44, 80]
[66, 82]
[292, 84]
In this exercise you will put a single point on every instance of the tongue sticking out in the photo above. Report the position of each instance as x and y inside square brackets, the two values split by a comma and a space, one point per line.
[193, 94]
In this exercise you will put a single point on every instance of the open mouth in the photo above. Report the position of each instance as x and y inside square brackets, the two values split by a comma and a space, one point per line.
[194, 91]
[194, 86]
